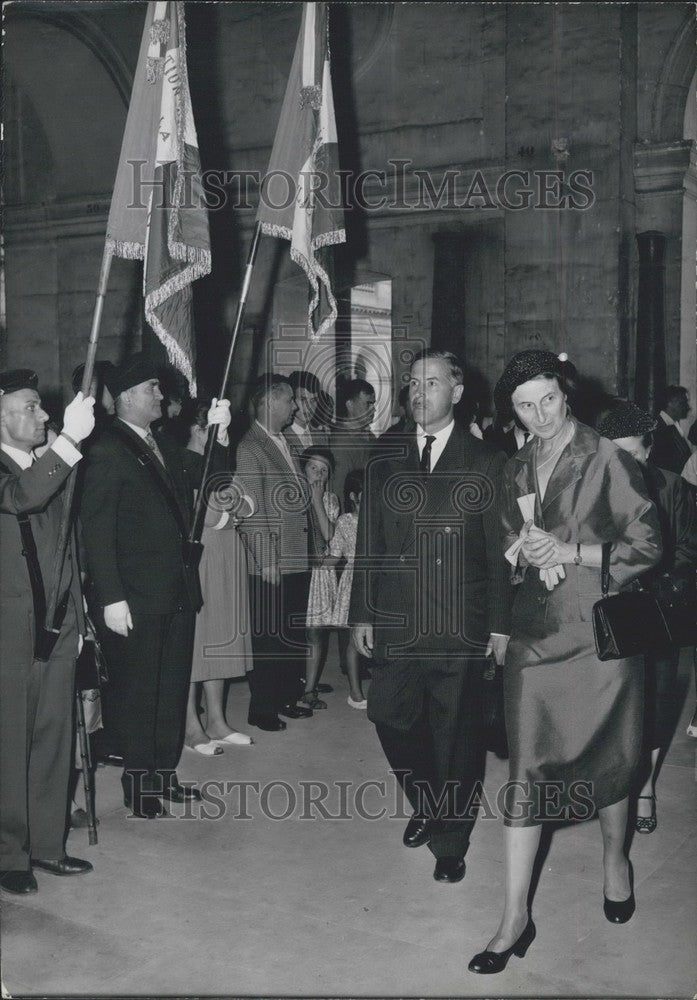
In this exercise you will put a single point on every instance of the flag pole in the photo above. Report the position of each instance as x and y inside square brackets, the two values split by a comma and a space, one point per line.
[199, 510]
[47, 639]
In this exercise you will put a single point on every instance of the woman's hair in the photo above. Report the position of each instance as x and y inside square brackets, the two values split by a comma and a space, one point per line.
[352, 484]
[317, 451]
[195, 413]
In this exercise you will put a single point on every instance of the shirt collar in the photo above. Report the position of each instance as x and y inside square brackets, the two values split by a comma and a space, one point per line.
[442, 435]
[23, 459]
[142, 432]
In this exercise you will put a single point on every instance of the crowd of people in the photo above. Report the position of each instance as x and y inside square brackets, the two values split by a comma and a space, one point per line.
[435, 550]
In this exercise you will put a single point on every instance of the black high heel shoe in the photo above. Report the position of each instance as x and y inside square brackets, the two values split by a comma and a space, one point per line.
[488, 962]
[621, 912]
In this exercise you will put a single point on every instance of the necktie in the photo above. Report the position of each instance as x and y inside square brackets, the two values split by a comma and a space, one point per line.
[152, 444]
[425, 463]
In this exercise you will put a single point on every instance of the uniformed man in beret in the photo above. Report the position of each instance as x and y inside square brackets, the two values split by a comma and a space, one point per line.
[135, 513]
[36, 695]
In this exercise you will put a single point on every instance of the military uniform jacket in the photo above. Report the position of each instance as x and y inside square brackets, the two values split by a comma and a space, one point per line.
[429, 572]
[36, 491]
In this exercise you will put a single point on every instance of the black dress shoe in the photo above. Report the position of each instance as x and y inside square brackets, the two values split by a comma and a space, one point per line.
[114, 759]
[449, 869]
[295, 712]
[487, 963]
[146, 806]
[417, 832]
[271, 723]
[621, 912]
[64, 866]
[21, 883]
[181, 793]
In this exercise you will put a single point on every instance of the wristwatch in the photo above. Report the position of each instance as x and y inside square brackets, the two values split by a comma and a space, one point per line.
[578, 558]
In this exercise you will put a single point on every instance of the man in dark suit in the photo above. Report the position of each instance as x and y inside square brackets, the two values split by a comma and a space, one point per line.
[36, 695]
[352, 441]
[135, 514]
[300, 434]
[671, 449]
[430, 600]
[276, 539]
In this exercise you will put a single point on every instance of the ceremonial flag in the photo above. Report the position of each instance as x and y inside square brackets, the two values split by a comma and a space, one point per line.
[158, 213]
[300, 196]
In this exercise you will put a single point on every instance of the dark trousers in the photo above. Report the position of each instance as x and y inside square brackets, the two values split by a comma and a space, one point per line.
[279, 643]
[144, 704]
[36, 739]
[438, 756]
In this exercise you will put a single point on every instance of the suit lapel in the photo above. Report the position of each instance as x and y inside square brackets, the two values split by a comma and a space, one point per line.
[569, 468]
[149, 455]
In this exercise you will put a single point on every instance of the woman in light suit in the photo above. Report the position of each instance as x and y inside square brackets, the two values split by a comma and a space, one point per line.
[574, 724]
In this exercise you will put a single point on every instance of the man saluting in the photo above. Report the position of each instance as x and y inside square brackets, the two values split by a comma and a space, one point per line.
[36, 695]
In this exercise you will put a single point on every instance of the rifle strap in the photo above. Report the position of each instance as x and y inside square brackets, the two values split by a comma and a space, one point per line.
[36, 580]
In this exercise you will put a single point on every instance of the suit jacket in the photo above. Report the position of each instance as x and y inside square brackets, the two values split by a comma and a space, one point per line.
[429, 572]
[277, 533]
[670, 449]
[36, 491]
[319, 438]
[351, 450]
[501, 439]
[596, 494]
[677, 517]
[132, 541]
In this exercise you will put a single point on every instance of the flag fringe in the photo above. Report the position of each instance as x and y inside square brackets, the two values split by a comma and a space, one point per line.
[154, 69]
[125, 249]
[159, 32]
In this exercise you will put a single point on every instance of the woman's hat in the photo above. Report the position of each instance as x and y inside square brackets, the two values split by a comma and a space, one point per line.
[625, 419]
[521, 368]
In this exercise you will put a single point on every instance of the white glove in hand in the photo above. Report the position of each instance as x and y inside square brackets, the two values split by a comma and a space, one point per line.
[78, 419]
[219, 415]
[117, 617]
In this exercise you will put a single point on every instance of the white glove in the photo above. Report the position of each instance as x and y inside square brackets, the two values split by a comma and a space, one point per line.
[117, 617]
[78, 419]
[219, 415]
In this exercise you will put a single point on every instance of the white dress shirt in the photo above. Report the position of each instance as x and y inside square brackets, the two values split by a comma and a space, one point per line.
[437, 445]
[62, 447]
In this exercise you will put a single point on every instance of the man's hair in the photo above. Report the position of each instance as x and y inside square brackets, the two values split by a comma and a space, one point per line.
[670, 393]
[267, 384]
[355, 387]
[304, 380]
[451, 360]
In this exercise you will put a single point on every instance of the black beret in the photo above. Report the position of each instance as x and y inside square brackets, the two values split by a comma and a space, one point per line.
[134, 370]
[625, 419]
[521, 368]
[16, 379]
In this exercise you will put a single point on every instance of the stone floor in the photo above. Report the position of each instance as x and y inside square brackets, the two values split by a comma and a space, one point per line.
[234, 902]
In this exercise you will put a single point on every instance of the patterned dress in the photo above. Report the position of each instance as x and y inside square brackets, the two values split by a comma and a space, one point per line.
[322, 596]
[344, 544]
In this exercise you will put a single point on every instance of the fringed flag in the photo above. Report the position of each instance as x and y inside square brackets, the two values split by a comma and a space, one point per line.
[158, 213]
[300, 196]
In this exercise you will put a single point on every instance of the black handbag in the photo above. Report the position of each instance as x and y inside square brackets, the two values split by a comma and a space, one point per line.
[627, 624]
[493, 720]
[91, 668]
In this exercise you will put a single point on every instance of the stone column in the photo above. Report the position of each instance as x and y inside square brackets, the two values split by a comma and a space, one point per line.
[650, 371]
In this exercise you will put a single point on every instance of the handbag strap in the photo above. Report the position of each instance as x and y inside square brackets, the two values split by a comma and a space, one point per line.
[605, 568]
